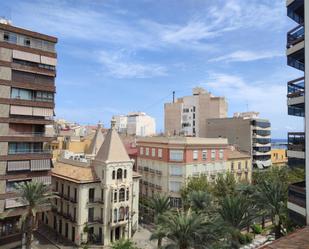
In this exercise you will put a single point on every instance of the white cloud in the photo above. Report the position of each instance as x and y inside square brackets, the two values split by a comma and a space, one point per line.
[243, 56]
[120, 66]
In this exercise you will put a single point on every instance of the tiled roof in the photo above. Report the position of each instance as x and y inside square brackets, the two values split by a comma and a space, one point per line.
[96, 141]
[296, 240]
[74, 173]
[112, 149]
[236, 154]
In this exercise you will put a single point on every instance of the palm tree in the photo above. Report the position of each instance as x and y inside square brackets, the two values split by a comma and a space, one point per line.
[272, 194]
[236, 213]
[35, 195]
[200, 201]
[224, 185]
[159, 205]
[185, 229]
[123, 244]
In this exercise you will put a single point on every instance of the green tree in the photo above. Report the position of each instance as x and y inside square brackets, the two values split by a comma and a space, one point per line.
[224, 185]
[123, 244]
[35, 195]
[184, 230]
[200, 201]
[272, 194]
[236, 213]
[159, 205]
[194, 184]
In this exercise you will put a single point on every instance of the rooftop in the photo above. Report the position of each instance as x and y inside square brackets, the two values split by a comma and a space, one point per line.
[184, 140]
[74, 171]
[236, 154]
[296, 240]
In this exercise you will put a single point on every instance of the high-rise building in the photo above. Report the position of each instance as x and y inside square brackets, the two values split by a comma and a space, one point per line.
[136, 123]
[27, 87]
[246, 131]
[187, 115]
[298, 142]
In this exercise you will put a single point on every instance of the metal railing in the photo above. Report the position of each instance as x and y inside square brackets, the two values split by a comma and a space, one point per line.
[296, 88]
[29, 134]
[295, 35]
[297, 194]
[296, 141]
[30, 151]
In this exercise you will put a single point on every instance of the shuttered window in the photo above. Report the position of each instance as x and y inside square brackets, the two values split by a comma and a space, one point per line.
[18, 165]
[37, 165]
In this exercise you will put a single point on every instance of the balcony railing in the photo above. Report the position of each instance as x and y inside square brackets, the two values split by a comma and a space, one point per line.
[261, 133]
[29, 134]
[95, 200]
[261, 124]
[296, 63]
[295, 35]
[33, 151]
[296, 141]
[262, 140]
[35, 99]
[95, 220]
[296, 88]
[297, 194]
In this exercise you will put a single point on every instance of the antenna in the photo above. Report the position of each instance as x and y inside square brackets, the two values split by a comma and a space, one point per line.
[173, 96]
[247, 105]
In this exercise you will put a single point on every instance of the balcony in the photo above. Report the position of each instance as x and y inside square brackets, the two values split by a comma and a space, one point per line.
[296, 145]
[262, 141]
[295, 36]
[262, 133]
[296, 97]
[296, 58]
[295, 10]
[95, 201]
[297, 194]
[95, 220]
[261, 124]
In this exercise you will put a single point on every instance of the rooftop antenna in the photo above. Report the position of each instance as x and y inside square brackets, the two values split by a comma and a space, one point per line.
[247, 105]
[173, 96]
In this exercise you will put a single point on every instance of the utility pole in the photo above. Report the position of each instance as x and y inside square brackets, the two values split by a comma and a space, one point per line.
[173, 96]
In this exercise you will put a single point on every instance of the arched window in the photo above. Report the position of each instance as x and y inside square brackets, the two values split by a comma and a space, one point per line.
[121, 213]
[125, 173]
[128, 194]
[113, 175]
[119, 173]
[121, 194]
[115, 215]
[115, 195]
[127, 213]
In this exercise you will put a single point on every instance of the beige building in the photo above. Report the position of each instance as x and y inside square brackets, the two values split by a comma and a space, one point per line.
[136, 123]
[239, 164]
[98, 201]
[27, 89]
[165, 163]
[247, 132]
[187, 115]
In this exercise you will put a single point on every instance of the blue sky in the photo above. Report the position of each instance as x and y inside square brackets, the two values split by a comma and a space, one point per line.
[121, 56]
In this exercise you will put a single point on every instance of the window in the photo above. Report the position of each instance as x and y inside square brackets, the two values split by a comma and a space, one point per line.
[121, 214]
[69, 190]
[113, 174]
[147, 151]
[91, 195]
[160, 153]
[175, 202]
[10, 37]
[213, 154]
[17, 93]
[115, 195]
[125, 173]
[128, 194]
[239, 166]
[176, 170]
[127, 213]
[102, 174]
[57, 186]
[141, 150]
[90, 214]
[62, 188]
[121, 194]
[176, 155]
[246, 165]
[232, 166]
[119, 173]
[27, 42]
[175, 186]
[195, 154]
[75, 194]
[204, 154]
[102, 194]
[115, 215]
[221, 154]
[153, 152]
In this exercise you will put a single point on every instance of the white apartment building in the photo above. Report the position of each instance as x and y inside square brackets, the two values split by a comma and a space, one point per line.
[136, 123]
[98, 201]
[187, 115]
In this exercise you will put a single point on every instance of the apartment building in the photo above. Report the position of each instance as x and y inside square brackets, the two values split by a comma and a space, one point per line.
[136, 123]
[27, 87]
[298, 201]
[102, 196]
[187, 115]
[165, 163]
[246, 131]
[239, 164]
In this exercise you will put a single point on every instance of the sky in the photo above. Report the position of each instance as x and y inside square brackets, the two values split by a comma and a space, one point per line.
[116, 57]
